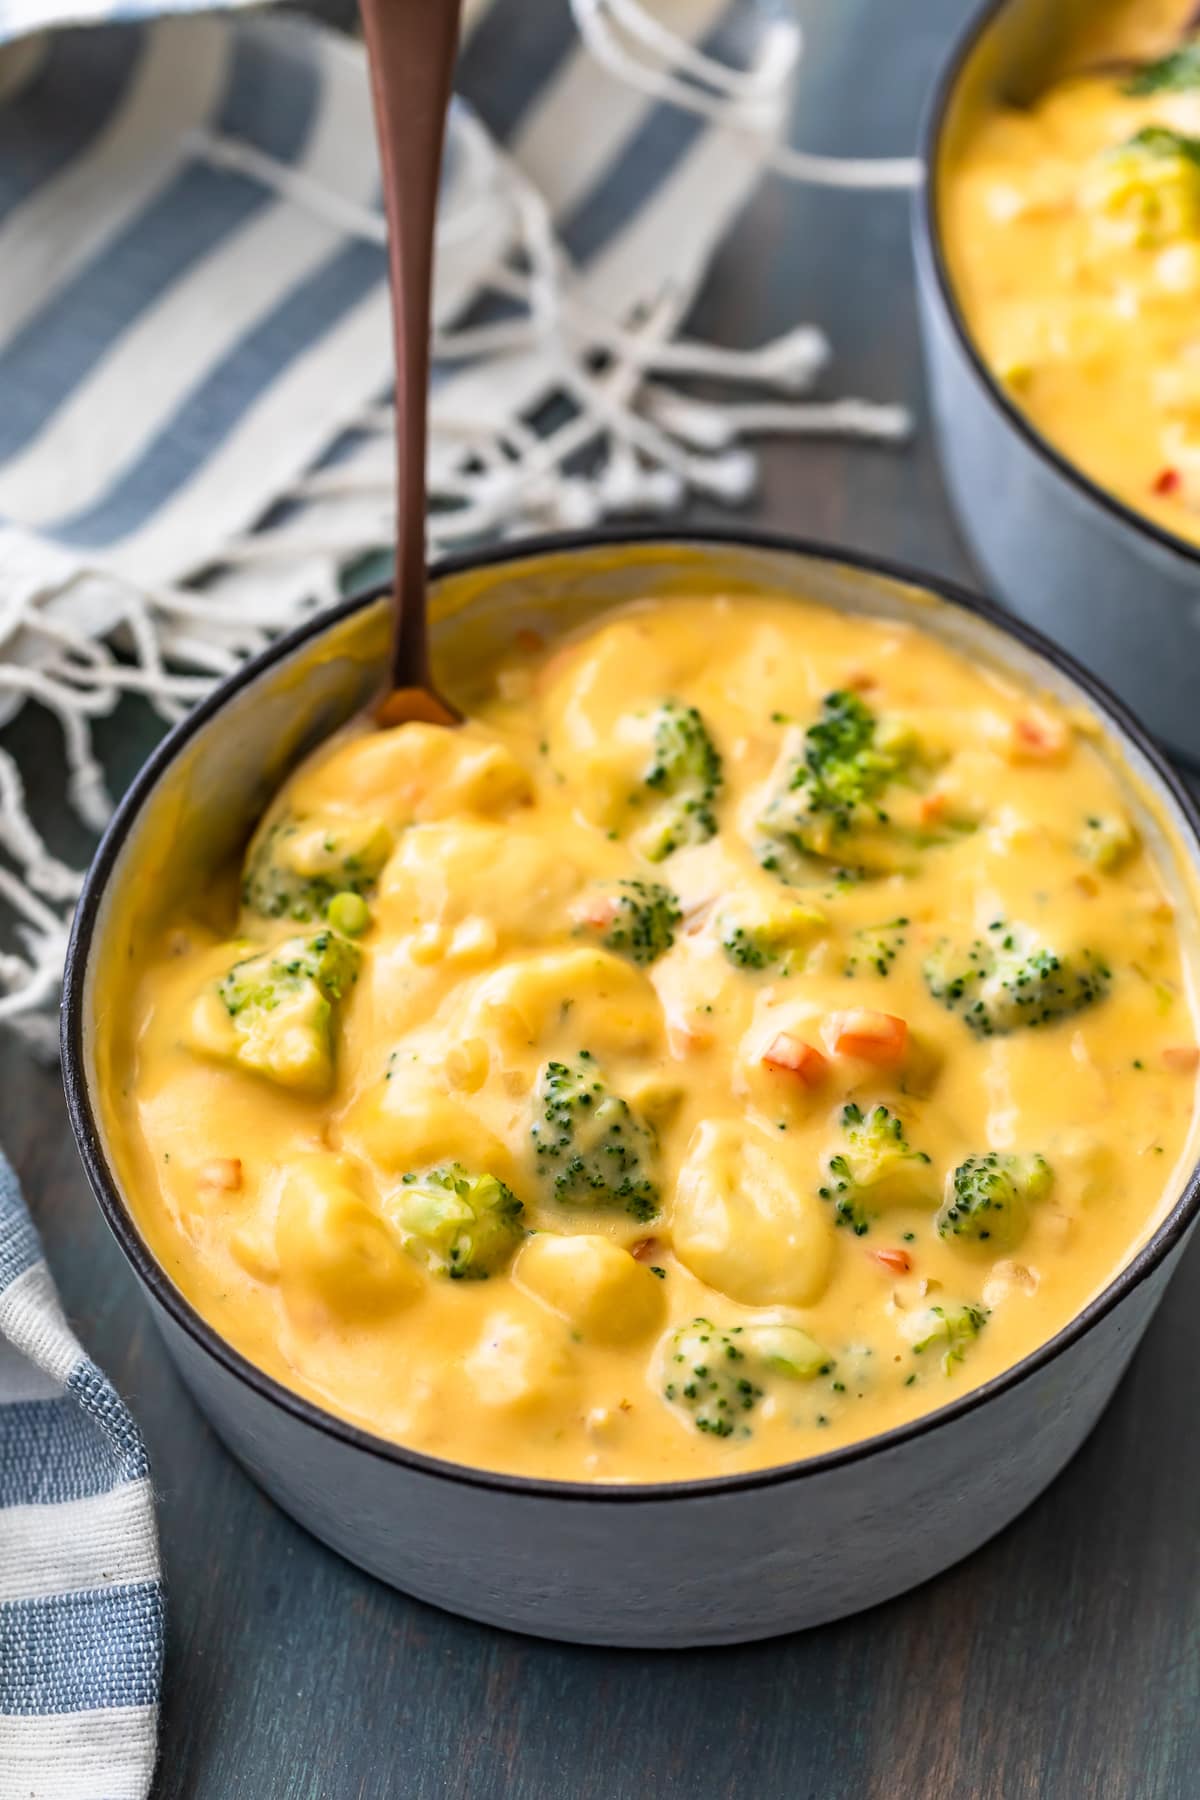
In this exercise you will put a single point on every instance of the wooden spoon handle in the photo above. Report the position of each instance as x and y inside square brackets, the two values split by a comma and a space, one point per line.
[411, 46]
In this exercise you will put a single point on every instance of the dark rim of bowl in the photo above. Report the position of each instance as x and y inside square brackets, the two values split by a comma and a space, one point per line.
[930, 250]
[1169, 1233]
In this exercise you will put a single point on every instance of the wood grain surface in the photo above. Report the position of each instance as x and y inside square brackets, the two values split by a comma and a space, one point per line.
[1062, 1660]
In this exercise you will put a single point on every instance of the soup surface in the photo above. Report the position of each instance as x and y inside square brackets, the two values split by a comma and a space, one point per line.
[754, 1027]
[1072, 228]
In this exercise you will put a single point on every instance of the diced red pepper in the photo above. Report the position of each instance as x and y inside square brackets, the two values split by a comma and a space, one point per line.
[1166, 481]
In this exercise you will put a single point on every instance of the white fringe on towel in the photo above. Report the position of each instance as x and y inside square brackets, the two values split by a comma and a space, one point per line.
[77, 635]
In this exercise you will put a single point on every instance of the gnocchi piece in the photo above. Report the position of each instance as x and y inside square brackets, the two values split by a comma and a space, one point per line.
[746, 1221]
[408, 1122]
[418, 772]
[606, 1294]
[445, 874]
[336, 1255]
[566, 998]
[521, 1367]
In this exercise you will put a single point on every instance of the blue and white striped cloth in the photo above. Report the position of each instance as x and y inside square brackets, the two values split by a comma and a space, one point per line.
[181, 345]
[81, 1603]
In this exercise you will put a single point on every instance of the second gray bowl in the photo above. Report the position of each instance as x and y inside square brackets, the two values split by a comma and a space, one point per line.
[1118, 592]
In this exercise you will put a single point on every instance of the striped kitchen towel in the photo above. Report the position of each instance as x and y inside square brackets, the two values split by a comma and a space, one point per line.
[81, 1607]
[195, 434]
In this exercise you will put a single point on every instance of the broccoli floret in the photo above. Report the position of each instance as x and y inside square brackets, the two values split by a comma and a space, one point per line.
[708, 1375]
[845, 767]
[592, 1148]
[876, 947]
[877, 1167]
[949, 1329]
[642, 920]
[990, 1197]
[280, 1003]
[299, 866]
[834, 789]
[263, 982]
[459, 1225]
[1008, 979]
[1148, 188]
[685, 776]
[1107, 840]
[714, 1376]
[748, 947]
[775, 940]
[1170, 74]
[786, 1350]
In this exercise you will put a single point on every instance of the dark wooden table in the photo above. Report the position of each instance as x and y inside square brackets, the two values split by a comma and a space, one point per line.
[1062, 1660]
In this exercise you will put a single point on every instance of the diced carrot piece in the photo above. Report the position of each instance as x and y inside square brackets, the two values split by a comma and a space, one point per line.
[553, 666]
[685, 1040]
[861, 681]
[899, 1261]
[1182, 1058]
[223, 1172]
[1037, 738]
[646, 1249]
[1166, 481]
[874, 1037]
[931, 808]
[795, 1057]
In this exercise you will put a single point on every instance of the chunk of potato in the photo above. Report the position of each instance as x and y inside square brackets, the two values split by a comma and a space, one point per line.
[746, 1220]
[600, 1288]
[336, 1255]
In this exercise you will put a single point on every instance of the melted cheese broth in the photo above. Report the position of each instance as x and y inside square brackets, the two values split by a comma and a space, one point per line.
[265, 1147]
[1076, 257]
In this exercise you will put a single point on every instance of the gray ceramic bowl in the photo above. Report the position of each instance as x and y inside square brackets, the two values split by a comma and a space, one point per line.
[1121, 594]
[701, 1562]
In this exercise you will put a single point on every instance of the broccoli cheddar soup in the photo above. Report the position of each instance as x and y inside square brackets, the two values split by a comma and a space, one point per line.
[753, 1027]
[1072, 227]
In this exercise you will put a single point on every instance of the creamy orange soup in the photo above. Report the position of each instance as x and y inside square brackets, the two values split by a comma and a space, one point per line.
[1072, 228]
[754, 1027]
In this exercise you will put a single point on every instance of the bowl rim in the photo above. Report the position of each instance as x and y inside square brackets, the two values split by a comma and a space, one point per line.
[1169, 1233]
[931, 255]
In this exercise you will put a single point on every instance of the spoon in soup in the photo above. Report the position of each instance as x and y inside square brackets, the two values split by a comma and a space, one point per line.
[410, 51]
